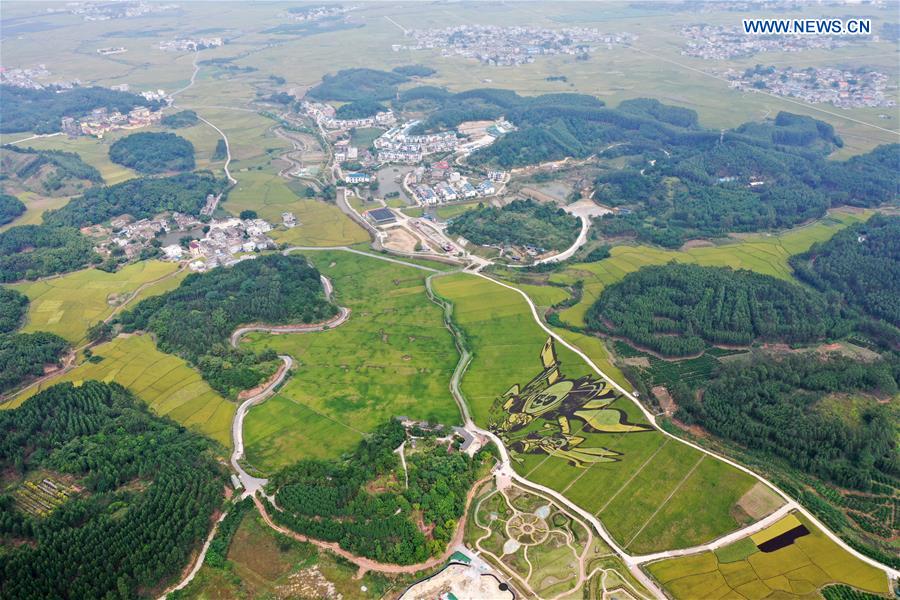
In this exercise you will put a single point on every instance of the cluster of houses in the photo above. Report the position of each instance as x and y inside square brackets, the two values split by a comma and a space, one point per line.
[101, 121]
[324, 115]
[191, 44]
[227, 242]
[717, 42]
[134, 236]
[840, 87]
[439, 183]
[317, 13]
[398, 146]
[509, 46]
[106, 11]
[224, 242]
[28, 78]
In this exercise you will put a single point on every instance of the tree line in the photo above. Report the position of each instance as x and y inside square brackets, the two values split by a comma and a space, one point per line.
[150, 487]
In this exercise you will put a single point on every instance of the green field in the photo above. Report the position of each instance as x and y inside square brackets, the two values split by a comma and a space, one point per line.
[763, 253]
[69, 304]
[658, 494]
[798, 570]
[393, 357]
[318, 223]
[164, 381]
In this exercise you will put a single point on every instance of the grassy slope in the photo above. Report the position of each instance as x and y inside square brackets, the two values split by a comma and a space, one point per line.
[68, 305]
[393, 357]
[506, 342]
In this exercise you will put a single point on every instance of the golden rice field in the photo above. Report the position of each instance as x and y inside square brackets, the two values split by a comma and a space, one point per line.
[798, 570]
[69, 304]
[164, 381]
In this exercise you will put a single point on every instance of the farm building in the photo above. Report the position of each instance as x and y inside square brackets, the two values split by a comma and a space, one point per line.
[381, 216]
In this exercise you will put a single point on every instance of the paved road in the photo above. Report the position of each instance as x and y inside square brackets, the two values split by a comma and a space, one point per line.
[790, 503]
[253, 484]
[231, 179]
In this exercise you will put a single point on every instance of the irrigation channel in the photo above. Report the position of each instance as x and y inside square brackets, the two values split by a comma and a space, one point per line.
[504, 469]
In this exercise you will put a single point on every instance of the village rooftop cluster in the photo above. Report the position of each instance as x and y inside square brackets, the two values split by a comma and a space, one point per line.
[27, 78]
[324, 115]
[101, 121]
[439, 183]
[715, 42]
[842, 88]
[191, 44]
[317, 13]
[105, 11]
[224, 242]
[510, 46]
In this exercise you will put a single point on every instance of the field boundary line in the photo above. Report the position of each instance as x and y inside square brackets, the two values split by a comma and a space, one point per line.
[631, 559]
[633, 475]
[666, 501]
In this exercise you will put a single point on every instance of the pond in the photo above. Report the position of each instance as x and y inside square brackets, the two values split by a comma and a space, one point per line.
[390, 179]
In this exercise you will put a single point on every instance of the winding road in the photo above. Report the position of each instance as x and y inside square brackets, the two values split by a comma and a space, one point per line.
[253, 484]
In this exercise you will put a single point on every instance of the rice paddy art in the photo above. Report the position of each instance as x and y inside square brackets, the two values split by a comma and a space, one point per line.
[550, 411]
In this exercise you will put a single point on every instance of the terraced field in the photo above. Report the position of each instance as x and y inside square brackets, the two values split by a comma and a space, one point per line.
[164, 381]
[69, 304]
[797, 570]
[654, 494]
[393, 357]
[763, 253]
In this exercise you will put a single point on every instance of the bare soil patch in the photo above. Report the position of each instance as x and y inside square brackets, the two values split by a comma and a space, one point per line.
[759, 501]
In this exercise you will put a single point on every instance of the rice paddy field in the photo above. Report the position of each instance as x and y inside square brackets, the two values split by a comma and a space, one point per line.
[658, 494]
[164, 381]
[69, 304]
[798, 570]
[763, 253]
[394, 357]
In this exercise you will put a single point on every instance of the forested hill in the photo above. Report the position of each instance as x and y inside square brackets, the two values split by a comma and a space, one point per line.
[329, 500]
[862, 264]
[521, 222]
[33, 251]
[46, 172]
[152, 152]
[140, 493]
[141, 198]
[40, 111]
[681, 309]
[770, 406]
[685, 181]
[10, 208]
[196, 319]
[357, 84]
